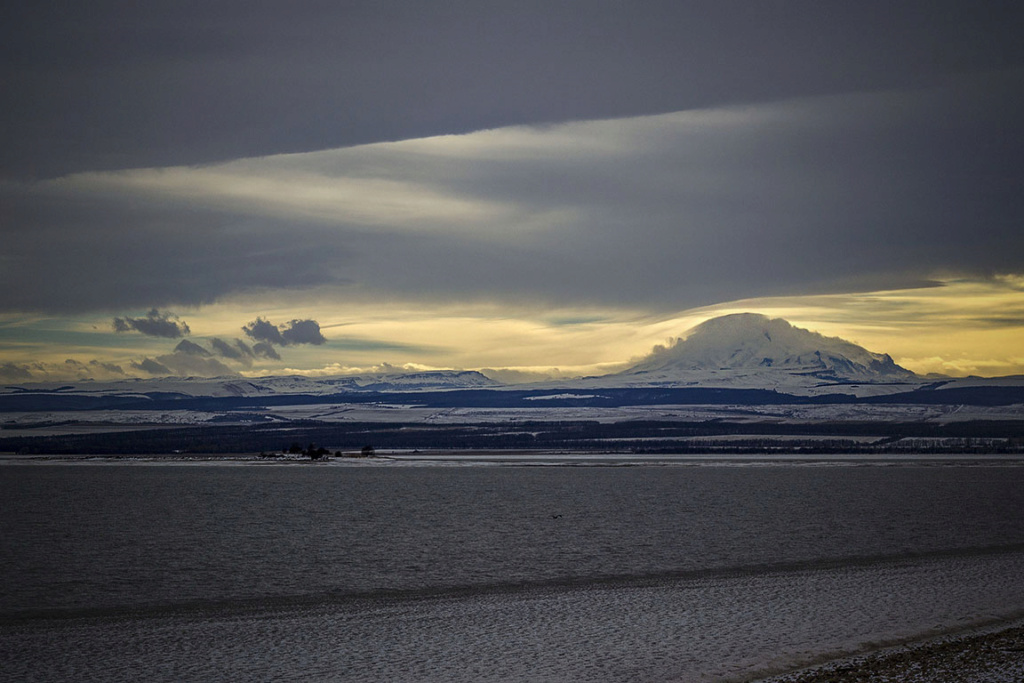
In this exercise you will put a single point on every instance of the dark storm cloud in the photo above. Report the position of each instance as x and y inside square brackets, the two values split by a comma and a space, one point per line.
[303, 332]
[193, 365]
[111, 84]
[42, 372]
[184, 362]
[191, 349]
[155, 324]
[190, 359]
[94, 369]
[262, 331]
[264, 350]
[1000, 322]
[151, 367]
[365, 344]
[240, 352]
[111, 368]
[11, 372]
[295, 332]
[237, 350]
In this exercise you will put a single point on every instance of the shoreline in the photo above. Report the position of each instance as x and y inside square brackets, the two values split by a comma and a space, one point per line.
[987, 653]
[429, 455]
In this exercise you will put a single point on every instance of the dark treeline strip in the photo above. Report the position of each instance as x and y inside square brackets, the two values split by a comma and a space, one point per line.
[461, 398]
[493, 398]
[1003, 436]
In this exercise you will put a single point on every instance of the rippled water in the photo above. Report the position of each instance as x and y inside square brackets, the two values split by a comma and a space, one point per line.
[445, 546]
[121, 536]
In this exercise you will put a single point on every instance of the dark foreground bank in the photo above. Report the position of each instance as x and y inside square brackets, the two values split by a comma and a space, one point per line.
[991, 657]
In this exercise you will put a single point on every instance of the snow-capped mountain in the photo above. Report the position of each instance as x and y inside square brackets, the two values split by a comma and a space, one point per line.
[751, 350]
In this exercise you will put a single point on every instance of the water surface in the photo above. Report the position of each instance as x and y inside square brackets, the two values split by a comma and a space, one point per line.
[493, 573]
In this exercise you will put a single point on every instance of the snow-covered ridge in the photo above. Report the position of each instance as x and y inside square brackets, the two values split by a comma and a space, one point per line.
[265, 386]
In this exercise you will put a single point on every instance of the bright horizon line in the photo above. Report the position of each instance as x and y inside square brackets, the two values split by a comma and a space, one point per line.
[523, 373]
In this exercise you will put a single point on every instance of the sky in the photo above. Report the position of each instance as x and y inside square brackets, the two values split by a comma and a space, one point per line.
[534, 189]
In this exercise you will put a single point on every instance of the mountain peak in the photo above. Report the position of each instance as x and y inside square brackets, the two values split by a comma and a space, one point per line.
[756, 347]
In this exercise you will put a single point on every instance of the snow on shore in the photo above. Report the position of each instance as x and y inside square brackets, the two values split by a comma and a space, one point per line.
[733, 627]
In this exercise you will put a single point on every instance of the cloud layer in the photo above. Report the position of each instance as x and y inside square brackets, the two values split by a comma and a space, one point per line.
[841, 193]
[109, 84]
